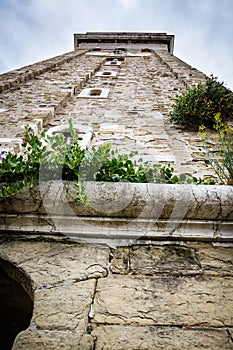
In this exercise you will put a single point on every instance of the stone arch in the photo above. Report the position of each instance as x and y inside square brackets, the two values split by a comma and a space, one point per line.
[16, 303]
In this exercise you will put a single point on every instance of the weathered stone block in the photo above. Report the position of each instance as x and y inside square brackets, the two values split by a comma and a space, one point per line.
[182, 301]
[51, 340]
[172, 259]
[214, 259]
[74, 263]
[167, 338]
[21, 251]
[120, 262]
[65, 307]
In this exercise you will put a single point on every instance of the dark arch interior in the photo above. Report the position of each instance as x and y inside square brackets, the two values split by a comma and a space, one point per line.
[15, 310]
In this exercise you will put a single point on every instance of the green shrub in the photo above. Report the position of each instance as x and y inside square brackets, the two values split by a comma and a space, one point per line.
[44, 158]
[198, 105]
[51, 158]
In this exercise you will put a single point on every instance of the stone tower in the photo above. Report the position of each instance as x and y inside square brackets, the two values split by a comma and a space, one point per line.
[143, 266]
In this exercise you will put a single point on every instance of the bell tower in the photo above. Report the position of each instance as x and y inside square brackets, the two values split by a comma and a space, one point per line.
[142, 265]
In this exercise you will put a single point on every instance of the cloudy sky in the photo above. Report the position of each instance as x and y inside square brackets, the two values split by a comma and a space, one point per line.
[33, 30]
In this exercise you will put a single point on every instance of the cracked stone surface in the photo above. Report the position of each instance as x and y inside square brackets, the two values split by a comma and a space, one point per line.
[51, 340]
[172, 295]
[72, 263]
[115, 337]
[148, 211]
[120, 260]
[65, 307]
[215, 260]
[22, 251]
[164, 300]
[175, 260]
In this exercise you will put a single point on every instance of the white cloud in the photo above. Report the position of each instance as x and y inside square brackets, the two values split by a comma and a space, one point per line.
[129, 4]
[32, 30]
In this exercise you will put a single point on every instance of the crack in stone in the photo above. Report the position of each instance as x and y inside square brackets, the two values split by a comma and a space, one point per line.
[63, 283]
[91, 313]
[229, 335]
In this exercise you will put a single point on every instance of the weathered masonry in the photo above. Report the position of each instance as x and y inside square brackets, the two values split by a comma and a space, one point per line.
[142, 266]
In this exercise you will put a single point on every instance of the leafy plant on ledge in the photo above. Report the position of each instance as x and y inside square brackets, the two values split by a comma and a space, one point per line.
[199, 104]
[220, 156]
[52, 157]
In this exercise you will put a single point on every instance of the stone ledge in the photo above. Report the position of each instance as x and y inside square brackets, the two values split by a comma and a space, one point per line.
[124, 213]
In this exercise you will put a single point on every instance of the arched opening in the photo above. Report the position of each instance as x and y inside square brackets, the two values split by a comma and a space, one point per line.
[107, 73]
[16, 305]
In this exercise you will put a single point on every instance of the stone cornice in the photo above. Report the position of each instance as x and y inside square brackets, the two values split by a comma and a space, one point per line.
[122, 213]
[119, 38]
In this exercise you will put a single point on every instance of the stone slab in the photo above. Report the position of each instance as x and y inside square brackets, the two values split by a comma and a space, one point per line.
[164, 300]
[74, 263]
[50, 340]
[22, 251]
[128, 212]
[65, 307]
[175, 259]
[214, 259]
[160, 338]
[171, 259]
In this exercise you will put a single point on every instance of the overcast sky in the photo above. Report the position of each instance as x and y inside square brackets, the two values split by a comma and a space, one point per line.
[33, 30]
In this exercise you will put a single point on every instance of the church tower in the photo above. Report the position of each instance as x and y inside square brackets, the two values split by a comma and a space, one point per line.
[142, 266]
[116, 87]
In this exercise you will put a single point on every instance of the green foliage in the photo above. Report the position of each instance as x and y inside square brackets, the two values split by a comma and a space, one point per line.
[220, 157]
[198, 105]
[17, 171]
[45, 157]
[120, 168]
[61, 158]
[107, 165]
[52, 157]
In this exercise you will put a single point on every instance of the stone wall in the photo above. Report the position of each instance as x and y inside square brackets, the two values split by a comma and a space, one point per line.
[165, 296]
[133, 117]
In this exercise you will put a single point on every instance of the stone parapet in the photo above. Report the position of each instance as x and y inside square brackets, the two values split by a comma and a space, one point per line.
[119, 39]
[129, 213]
